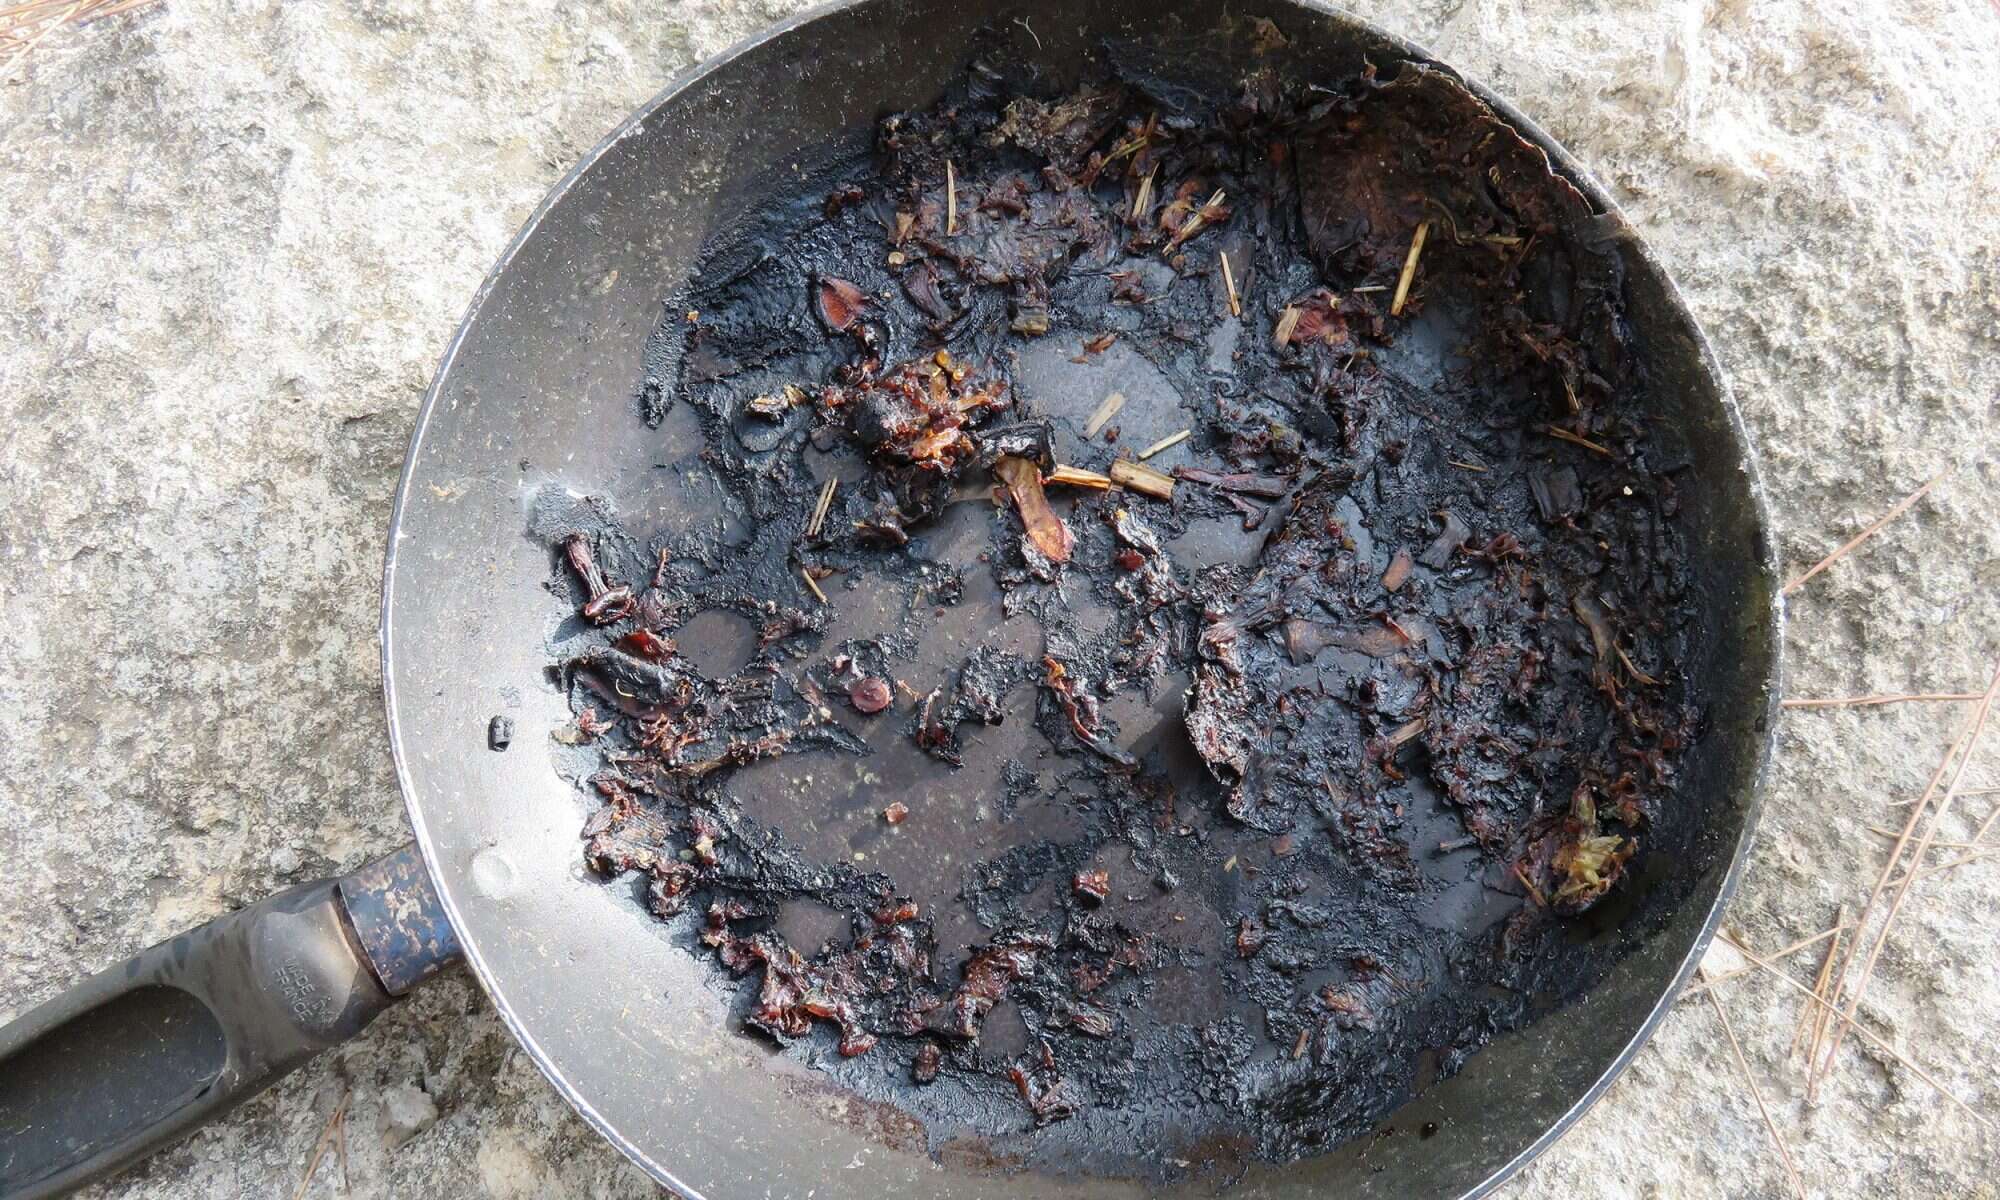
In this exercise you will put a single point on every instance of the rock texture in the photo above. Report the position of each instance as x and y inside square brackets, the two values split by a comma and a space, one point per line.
[236, 238]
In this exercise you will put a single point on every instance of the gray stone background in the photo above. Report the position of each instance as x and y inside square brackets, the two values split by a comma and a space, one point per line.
[237, 236]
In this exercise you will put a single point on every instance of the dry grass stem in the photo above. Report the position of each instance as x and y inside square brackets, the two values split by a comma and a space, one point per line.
[1229, 282]
[1750, 1082]
[1902, 506]
[1165, 444]
[326, 1136]
[1468, 466]
[813, 585]
[1911, 874]
[1876, 1039]
[1105, 412]
[1882, 698]
[1409, 274]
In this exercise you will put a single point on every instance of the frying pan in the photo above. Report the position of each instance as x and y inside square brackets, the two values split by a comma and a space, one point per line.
[538, 388]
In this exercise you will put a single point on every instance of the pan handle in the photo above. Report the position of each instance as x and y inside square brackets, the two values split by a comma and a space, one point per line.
[137, 1056]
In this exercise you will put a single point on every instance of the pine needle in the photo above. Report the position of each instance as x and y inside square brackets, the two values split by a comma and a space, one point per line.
[1804, 943]
[1813, 1018]
[1883, 880]
[1882, 698]
[1557, 431]
[1971, 744]
[326, 1136]
[1874, 527]
[1750, 1082]
[23, 27]
[1876, 1039]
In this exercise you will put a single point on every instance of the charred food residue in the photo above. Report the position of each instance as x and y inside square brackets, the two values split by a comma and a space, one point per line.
[1407, 588]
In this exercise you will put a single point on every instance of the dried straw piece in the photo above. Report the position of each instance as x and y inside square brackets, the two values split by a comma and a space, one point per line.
[1229, 282]
[1194, 223]
[950, 198]
[1142, 202]
[1750, 1081]
[1882, 698]
[1078, 477]
[1135, 477]
[1287, 322]
[1165, 444]
[1534, 893]
[1902, 506]
[1557, 431]
[820, 509]
[1105, 412]
[813, 585]
[1409, 274]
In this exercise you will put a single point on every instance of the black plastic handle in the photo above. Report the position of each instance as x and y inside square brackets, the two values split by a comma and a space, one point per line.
[137, 1056]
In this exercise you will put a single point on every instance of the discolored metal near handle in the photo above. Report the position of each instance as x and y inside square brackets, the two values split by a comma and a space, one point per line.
[139, 1055]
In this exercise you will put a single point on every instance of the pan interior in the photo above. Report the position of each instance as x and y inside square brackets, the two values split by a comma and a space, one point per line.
[544, 387]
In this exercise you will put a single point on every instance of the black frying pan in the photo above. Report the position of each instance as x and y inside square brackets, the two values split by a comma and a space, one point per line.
[548, 360]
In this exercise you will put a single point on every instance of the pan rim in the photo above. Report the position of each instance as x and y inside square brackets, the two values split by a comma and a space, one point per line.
[1762, 573]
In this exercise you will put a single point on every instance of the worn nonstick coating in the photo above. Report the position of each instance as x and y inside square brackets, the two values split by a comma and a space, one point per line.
[538, 388]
